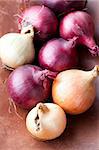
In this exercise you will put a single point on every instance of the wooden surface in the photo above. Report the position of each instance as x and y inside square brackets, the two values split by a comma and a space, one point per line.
[82, 132]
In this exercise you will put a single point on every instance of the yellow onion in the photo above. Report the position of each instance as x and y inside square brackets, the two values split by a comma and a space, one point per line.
[17, 49]
[74, 90]
[46, 121]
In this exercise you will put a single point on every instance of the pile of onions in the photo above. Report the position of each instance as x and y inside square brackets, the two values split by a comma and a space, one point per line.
[74, 90]
[64, 6]
[42, 19]
[42, 121]
[28, 85]
[79, 24]
[58, 55]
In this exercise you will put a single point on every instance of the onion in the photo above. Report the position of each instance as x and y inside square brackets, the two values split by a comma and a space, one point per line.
[28, 85]
[43, 20]
[79, 24]
[42, 121]
[58, 55]
[74, 90]
[64, 6]
[17, 49]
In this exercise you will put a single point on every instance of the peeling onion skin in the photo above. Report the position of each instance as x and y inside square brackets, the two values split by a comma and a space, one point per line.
[75, 90]
[46, 121]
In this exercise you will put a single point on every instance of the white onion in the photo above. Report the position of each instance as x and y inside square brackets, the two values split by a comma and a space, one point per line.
[17, 49]
[46, 121]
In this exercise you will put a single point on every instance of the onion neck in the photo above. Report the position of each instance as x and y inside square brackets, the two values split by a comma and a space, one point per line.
[43, 108]
[71, 43]
[28, 30]
[90, 43]
[95, 72]
[41, 75]
[49, 74]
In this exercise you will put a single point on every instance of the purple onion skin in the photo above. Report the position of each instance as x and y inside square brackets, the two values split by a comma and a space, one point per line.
[79, 24]
[58, 55]
[65, 6]
[27, 86]
[43, 20]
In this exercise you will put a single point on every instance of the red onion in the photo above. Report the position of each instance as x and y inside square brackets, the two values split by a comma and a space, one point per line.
[28, 85]
[79, 24]
[43, 20]
[64, 6]
[58, 55]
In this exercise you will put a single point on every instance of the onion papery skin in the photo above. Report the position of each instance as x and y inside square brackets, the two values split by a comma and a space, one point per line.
[58, 55]
[28, 85]
[79, 24]
[43, 21]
